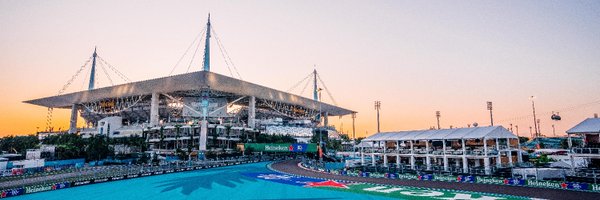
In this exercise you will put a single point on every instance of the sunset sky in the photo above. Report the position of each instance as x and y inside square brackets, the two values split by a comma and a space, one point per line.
[416, 57]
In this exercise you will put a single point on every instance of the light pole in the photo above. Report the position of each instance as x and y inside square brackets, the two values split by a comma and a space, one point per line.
[378, 107]
[489, 107]
[534, 117]
[438, 115]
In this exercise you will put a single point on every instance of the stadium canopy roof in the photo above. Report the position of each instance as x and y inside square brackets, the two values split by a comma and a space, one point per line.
[187, 82]
[589, 125]
[490, 132]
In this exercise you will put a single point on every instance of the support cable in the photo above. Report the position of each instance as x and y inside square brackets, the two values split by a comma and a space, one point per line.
[304, 88]
[299, 82]
[64, 88]
[121, 75]
[193, 56]
[226, 53]
[223, 54]
[186, 51]
[326, 90]
[106, 73]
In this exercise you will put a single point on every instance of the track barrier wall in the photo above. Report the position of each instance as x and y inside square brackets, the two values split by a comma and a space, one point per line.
[589, 187]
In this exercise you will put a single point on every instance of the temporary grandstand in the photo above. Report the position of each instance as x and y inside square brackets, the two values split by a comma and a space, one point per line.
[589, 129]
[452, 150]
[175, 111]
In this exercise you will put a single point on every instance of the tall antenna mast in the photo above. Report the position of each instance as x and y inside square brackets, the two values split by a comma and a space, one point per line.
[207, 46]
[93, 72]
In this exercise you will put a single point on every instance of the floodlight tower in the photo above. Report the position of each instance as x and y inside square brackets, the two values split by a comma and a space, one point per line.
[438, 115]
[378, 107]
[489, 107]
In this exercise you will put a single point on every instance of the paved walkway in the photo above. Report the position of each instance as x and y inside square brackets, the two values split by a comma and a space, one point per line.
[291, 166]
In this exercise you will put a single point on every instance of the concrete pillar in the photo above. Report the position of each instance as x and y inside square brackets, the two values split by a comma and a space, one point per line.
[427, 155]
[397, 154]
[445, 157]
[203, 135]
[498, 159]
[486, 160]
[73, 121]
[519, 153]
[252, 112]
[362, 155]
[326, 119]
[510, 160]
[464, 157]
[385, 161]
[485, 149]
[154, 103]
[486, 166]
[412, 155]
[570, 142]
[373, 155]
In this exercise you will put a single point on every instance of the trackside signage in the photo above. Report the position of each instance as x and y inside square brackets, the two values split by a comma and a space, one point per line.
[281, 147]
[397, 192]
[477, 179]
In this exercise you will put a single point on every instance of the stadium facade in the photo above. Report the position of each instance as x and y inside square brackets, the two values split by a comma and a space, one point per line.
[196, 109]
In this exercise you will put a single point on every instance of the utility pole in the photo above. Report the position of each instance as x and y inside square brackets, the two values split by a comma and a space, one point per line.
[553, 131]
[531, 132]
[539, 130]
[489, 107]
[377, 107]
[438, 115]
[535, 121]
[517, 127]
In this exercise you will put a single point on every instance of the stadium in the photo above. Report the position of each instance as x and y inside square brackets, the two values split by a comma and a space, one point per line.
[201, 110]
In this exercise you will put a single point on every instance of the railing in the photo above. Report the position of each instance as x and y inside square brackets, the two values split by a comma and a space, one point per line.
[91, 173]
[586, 150]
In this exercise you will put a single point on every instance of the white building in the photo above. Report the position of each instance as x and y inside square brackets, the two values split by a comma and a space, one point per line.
[457, 150]
[589, 129]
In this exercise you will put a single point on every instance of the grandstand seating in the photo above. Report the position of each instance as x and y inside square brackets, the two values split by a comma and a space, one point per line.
[289, 130]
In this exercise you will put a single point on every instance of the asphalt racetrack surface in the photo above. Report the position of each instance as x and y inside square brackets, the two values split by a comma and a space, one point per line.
[291, 167]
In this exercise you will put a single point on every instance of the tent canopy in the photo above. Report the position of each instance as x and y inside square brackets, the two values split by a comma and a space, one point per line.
[491, 132]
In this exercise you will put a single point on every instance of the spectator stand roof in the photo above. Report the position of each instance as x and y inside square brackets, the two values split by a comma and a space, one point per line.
[589, 125]
[491, 132]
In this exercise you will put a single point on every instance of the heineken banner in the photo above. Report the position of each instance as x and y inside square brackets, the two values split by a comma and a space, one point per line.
[477, 179]
[384, 191]
[281, 147]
